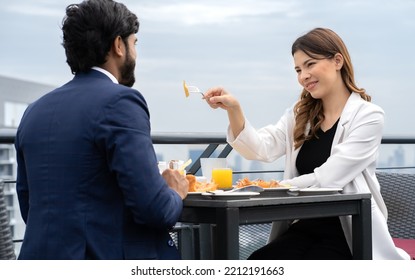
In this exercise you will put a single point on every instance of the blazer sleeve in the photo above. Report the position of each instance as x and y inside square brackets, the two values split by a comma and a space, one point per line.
[125, 135]
[22, 187]
[266, 144]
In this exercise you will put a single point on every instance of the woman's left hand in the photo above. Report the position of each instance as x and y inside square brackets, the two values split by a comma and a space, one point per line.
[303, 181]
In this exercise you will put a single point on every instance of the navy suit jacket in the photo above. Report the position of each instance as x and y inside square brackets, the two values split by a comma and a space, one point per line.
[88, 182]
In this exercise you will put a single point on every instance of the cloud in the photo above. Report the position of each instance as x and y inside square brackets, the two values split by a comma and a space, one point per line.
[183, 12]
[215, 12]
[45, 8]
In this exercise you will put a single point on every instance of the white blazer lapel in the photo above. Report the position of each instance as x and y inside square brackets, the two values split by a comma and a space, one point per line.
[293, 170]
[338, 136]
[348, 112]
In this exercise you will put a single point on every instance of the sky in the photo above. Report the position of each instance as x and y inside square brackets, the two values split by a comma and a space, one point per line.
[243, 45]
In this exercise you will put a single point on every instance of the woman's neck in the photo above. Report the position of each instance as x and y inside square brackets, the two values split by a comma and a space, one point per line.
[333, 106]
[334, 103]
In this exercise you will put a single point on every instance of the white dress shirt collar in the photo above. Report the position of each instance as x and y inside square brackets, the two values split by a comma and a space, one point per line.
[111, 76]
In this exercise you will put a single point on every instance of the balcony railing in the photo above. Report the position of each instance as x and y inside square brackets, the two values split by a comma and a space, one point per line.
[214, 142]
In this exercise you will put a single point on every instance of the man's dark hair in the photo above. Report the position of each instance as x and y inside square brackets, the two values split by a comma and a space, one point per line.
[89, 29]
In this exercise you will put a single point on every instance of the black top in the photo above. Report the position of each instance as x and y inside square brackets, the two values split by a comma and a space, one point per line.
[315, 151]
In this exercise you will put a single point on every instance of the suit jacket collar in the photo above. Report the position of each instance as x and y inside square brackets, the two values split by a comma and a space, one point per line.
[92, 74]
[107, 73]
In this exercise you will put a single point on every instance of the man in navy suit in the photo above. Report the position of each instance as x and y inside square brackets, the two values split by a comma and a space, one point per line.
[88, 182]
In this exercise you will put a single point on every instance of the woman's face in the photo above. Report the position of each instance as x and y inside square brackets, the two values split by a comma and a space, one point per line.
[320, 77]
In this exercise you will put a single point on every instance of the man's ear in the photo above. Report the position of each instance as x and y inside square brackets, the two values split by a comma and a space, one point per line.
[117, 46]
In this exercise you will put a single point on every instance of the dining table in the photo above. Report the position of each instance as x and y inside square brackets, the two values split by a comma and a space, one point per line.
[226, 214]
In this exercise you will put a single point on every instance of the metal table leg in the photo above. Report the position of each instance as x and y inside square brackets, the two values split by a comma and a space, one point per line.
[227, 234]
[362, 229]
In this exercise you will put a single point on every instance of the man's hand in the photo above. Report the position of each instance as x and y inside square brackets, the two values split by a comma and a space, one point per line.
[176, 181]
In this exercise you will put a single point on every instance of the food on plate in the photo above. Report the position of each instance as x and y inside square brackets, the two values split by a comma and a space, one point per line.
[192, 181]
[195, 186]
[205, 187]
[258, 182]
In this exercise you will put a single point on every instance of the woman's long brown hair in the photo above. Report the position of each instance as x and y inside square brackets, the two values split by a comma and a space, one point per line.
[320, 43]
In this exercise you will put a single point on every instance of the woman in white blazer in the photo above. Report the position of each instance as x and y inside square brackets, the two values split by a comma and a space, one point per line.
[330, 138]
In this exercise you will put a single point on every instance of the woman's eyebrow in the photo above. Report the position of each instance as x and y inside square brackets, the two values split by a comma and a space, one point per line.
[304, 63]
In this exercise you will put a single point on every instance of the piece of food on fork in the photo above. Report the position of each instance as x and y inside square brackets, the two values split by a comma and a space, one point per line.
[186, 90]
[191, 89]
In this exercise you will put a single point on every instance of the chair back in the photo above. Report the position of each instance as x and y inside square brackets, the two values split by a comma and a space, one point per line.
[398, 191]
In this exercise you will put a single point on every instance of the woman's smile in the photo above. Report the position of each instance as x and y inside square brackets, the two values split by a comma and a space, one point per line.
[310, 85]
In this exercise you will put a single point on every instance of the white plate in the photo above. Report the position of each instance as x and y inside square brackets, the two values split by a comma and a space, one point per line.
[194, 193]
[199, 193]
[230, 195]
[278, 189]
[316, 191]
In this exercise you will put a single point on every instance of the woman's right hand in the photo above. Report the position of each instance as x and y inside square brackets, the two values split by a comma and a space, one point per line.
[218, 97]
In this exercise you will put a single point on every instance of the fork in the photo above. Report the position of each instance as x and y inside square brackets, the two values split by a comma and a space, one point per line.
[250, 188]
[191, 89]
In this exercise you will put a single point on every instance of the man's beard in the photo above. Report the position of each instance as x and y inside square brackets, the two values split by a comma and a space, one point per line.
[127, 71]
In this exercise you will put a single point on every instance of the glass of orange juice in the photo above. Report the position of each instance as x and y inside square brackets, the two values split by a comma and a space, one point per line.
[222, 177]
